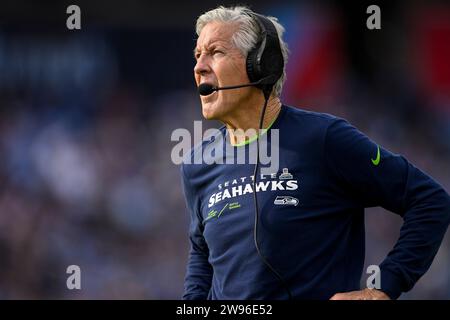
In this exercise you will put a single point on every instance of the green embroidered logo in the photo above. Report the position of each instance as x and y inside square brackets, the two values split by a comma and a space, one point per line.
[215, 214]
[377, 160]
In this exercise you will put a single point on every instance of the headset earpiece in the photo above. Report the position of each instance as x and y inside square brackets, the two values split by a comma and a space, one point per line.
[265, 60]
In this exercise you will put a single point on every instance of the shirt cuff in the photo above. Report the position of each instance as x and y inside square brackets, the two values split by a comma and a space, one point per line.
[390, 283]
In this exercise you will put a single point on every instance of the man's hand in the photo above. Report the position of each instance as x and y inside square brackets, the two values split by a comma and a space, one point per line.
[365, 294]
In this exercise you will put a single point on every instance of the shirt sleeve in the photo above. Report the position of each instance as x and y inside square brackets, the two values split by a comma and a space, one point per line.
[199, 272]
[373, 176]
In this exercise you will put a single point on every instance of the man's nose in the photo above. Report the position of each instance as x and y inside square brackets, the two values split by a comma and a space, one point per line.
[202, 67]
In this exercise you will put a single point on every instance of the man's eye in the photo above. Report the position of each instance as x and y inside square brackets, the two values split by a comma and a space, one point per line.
[217, 52]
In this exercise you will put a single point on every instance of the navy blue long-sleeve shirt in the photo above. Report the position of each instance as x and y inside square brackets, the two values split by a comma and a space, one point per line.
[311, 226]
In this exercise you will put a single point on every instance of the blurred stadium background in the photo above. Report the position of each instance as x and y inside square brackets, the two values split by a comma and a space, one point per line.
[86, 117]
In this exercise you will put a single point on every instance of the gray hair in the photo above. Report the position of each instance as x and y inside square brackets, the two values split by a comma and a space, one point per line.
[246, 36]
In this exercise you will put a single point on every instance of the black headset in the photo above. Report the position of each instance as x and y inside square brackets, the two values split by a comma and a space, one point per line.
[265, 61]
[265, 64]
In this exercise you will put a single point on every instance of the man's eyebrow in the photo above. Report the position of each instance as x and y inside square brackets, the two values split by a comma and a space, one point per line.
[196, 49]
[211, 45]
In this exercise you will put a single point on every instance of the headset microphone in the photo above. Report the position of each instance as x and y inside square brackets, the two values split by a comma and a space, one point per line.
[205, 89]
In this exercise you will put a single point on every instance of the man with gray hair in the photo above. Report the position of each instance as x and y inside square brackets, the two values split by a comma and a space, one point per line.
[303, 235]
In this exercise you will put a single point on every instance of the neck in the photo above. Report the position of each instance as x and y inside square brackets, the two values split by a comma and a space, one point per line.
[248, 119]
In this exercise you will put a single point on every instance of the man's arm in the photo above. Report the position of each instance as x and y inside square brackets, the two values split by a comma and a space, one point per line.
[374, 176]
[199, 272]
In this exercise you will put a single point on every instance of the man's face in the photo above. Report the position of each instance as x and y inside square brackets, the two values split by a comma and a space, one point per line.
[220, 63]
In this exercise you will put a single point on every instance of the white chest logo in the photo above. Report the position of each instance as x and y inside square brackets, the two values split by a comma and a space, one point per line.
[286, 201]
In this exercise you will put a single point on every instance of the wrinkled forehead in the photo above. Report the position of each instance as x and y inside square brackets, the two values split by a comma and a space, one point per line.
[217, 33]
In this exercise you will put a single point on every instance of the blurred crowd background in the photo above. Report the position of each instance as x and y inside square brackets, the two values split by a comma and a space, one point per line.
[86, 116]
